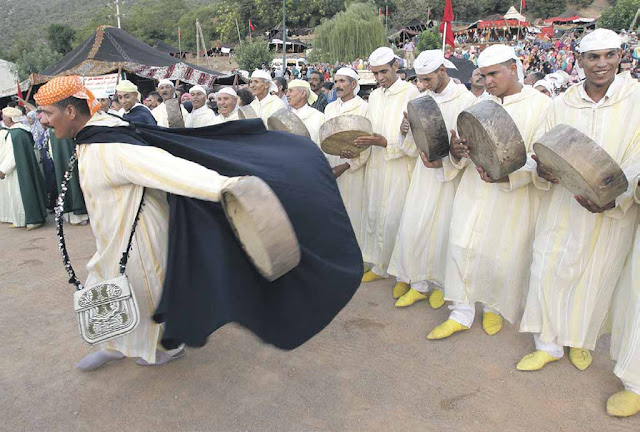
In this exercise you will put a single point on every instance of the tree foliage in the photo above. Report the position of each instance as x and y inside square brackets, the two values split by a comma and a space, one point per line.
[545, 8]
[36, 59]
[252, 55]
[619, 16]
[60, 37]
[353, 33]
[429, 39]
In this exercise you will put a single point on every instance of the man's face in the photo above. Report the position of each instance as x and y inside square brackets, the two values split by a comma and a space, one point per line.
[625, 67]
[127, 100]
[477, 80]
[166, 91]
[385, 75]
[105, 103]
[344, 86]
[499, 78]
[226, 104]
[259, 87]
[600, 67]
[529, 79]
[58, 118]
[543, 90]
[433, 81]
[297, 97]
[280, 91]
[315, 82]
[198, 99]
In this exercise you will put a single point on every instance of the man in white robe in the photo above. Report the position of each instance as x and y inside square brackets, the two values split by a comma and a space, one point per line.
[227, 100]
[11, 207]
[419, 255]
[300, 97]
[348, 167]
[625, 337]
[112, 177]
[201, 115]
[579, 248]
[264, 103]
[167, 90]
[493, 220]
[388, 172]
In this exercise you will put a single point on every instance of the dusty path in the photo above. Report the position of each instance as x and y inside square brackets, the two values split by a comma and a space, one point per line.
[372, 369]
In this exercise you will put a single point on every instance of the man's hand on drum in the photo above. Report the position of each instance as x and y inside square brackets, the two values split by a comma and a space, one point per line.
[347, 154]
[368, 141]
[485, 177]
[425, 161]
[405, 126]
[338, 170]
[458, 147]
[590, 206]
[543, 172]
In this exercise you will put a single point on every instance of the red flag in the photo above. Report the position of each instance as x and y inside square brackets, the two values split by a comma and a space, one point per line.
[524, 3]
[447, 18]
[19, 93]
[251, 26]
[179, 34]
[387, 10]
[428, 14]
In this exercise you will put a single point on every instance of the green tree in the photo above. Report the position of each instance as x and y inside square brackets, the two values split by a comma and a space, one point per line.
[545, 8]
[252, 55]
[60, 37]
[35, 60]
[354, 33]
[429, 39]
[619, 16]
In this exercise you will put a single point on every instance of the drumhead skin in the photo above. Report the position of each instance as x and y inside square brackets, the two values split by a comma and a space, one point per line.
[338, 134]
[246, 112]
[494, 141]
[262, 226]
[285, 120]
[581, 165]
[428, 127]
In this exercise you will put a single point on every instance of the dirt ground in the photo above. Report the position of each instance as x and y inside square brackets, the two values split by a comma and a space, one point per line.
[371, 369]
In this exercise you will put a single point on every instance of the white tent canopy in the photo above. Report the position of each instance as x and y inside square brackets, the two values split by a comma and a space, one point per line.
[9, 79]
[512, 13]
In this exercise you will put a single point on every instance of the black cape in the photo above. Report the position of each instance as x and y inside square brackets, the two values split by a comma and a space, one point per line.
[140, 114]
[209, 280]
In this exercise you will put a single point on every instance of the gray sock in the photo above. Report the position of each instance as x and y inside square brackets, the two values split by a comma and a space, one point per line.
[99, 358]
[162, 358]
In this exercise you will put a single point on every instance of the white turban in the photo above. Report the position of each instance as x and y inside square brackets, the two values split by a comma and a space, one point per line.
[600, 39]
[261, 74]
[496, 54]
[127, 86]
[345, 71]
[429, 61]
[547, 85]
[12, 113]
[227, 90]
[197, 88]
[312, 97]
[381, 56]
[165, 82]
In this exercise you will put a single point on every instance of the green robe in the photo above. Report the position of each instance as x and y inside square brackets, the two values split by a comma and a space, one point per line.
[61, 151]
[32, 188]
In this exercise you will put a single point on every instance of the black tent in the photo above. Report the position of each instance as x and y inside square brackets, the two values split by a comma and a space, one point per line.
[111, 49]
[166, 48]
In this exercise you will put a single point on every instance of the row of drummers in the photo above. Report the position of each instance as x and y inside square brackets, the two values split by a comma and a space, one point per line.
[535, 219]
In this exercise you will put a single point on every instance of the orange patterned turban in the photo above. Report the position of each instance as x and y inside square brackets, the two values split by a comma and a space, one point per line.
[60, 88]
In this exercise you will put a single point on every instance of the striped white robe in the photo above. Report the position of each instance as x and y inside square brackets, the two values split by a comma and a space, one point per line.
[312, 119]
[388, 173]
[11, 207]
[577, 255]
[421, 246]
[267, 106]
[489, 249]
[351, 182]
[112, 178]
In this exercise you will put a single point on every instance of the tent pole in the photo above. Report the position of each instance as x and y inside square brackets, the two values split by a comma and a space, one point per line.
[29, 92]
[519, 22]
[444, 36]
